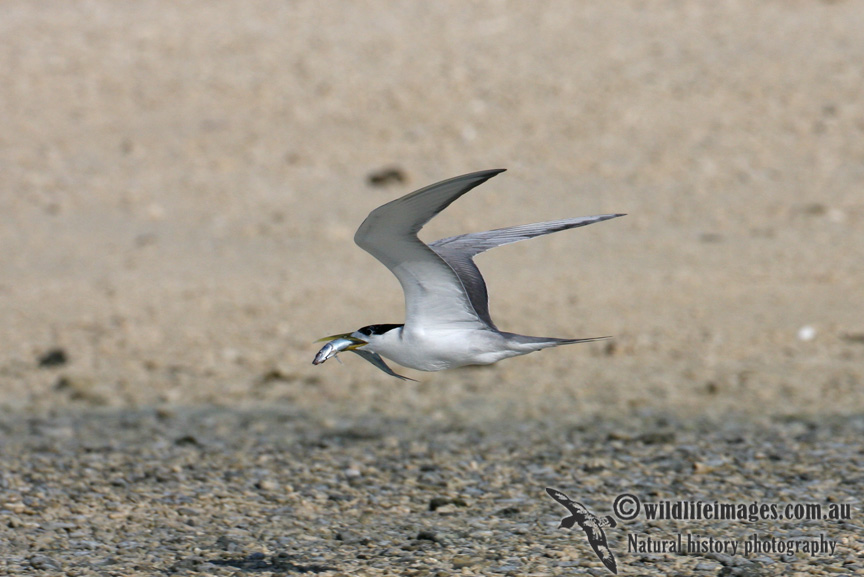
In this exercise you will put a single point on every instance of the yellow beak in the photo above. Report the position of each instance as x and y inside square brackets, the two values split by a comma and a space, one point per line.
[357, 342]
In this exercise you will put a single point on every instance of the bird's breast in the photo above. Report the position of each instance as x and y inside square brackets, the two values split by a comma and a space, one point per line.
[445, 349]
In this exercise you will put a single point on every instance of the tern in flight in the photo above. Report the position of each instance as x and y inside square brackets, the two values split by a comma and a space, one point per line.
[447, 322]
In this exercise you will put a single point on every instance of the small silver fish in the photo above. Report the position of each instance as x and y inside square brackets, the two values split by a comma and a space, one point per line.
[347, 342]
[331, 349]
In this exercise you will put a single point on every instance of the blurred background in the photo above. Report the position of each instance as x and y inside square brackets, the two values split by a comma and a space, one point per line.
[180, 184]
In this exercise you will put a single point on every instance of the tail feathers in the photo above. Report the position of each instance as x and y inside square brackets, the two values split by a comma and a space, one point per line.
[538, 343]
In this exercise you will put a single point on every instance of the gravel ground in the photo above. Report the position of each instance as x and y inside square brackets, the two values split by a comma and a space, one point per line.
[269, 491]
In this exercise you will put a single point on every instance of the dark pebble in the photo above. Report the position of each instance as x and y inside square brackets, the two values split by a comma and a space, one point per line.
[436, 502]
[387, 176]
[53, 358]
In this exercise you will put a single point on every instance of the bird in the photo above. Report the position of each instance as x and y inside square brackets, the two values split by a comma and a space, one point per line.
[447, 321]
[590, 523]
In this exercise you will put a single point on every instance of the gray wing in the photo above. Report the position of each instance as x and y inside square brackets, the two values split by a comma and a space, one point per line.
[434, 293]
[458, 252]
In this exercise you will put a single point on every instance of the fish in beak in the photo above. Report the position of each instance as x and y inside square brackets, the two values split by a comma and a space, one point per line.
[336, 344]
[348, 342]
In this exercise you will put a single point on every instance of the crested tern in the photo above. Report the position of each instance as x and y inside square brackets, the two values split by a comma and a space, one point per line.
[447, 322]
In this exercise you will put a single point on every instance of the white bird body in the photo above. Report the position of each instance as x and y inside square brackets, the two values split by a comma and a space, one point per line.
[447, 321]
[442, 348]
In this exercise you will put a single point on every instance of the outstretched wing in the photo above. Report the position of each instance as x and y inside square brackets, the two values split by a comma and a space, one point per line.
[458, 252]
[597, 540]
[434, 293]
[559, 496]
[575, 508]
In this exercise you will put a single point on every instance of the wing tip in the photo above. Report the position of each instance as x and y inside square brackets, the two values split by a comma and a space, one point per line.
[555, 493]
[486, 174]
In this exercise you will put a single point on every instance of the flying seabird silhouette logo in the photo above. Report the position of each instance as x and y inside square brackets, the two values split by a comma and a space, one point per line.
[590, 523]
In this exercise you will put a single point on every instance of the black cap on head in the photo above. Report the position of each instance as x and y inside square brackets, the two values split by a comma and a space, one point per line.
[377, 329]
